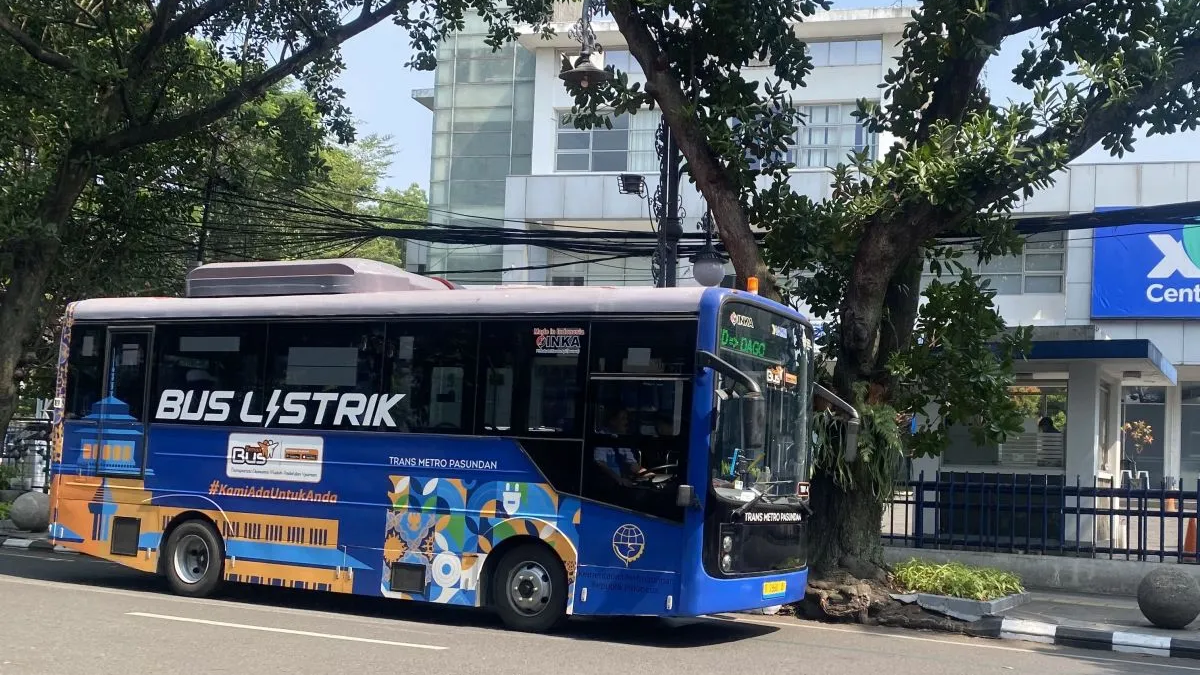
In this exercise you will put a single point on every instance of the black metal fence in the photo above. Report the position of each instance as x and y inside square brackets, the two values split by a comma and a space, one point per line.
[25, 455]
[1043, 514]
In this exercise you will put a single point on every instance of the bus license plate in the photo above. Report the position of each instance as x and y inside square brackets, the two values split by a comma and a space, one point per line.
[772, 589]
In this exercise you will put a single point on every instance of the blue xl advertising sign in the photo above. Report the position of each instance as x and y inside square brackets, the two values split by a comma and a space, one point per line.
[1146, 272]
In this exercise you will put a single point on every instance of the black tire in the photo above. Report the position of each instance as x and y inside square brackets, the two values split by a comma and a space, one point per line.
[534, 573]
[194, 559]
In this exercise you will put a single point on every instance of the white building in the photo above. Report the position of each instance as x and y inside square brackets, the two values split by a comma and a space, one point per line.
[500, 157]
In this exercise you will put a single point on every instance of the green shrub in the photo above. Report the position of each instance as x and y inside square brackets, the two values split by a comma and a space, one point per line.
[956, 580]
[4, 510]
[7, 474]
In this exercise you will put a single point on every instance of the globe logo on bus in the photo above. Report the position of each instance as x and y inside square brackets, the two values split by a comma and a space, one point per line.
[629, 543]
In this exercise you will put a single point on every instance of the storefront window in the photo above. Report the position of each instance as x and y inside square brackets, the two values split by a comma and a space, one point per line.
[1189, 434]
[1040, 444]
[1144, 416]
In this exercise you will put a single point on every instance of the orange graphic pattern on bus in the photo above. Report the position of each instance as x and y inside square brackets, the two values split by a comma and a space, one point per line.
[87, 505]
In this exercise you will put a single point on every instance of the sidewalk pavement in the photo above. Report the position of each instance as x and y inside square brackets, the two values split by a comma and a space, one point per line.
[11, 537]
[1110, 623]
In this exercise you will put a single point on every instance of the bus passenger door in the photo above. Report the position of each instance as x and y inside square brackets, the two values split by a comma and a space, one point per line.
[119, 449]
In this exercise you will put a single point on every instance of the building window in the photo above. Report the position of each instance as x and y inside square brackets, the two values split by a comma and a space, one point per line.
[1040, 269]
[866, 52]
[828, 135]
[566, 281]
[846, 52]
[628, 146]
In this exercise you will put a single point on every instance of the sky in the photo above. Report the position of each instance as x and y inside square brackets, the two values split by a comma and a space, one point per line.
[378, 90]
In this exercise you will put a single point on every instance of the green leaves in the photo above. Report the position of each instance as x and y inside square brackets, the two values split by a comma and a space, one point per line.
[958, 366]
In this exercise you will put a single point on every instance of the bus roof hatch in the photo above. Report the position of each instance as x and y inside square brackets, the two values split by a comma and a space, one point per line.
[304, 277]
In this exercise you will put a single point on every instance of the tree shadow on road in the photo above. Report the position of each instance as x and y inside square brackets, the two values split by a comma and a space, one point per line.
[639, 631]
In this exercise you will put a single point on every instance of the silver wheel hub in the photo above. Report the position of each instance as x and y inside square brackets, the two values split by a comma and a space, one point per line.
[529, 588]
[191, 559]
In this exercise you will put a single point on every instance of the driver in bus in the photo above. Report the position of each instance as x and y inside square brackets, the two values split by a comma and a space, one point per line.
[622, 462]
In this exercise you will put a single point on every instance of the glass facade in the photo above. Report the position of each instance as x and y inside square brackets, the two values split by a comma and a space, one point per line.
[483, 132]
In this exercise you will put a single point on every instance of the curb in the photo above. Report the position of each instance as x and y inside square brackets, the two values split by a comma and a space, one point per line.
[1127, 642]
[33, 545]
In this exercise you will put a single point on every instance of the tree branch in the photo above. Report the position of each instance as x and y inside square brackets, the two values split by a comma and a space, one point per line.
[36, 49]
[189, 20]
[958, 76]
[1104, 117]
[153, 37]
[1055, 11]
[178, 126]
[719, 192]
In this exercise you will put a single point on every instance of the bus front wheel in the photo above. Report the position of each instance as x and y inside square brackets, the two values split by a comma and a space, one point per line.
[529, 589]
[194, 559]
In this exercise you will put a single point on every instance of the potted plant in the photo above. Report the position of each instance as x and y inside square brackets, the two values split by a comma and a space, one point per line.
[1142, 434]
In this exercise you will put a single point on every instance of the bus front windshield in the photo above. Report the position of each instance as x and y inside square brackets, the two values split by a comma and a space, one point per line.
[776, 352]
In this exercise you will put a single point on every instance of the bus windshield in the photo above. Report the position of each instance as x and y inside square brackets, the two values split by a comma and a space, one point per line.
[775, 351]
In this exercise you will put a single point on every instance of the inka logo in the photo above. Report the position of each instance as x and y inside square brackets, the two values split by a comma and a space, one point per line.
[741, 320]
[257, 454]
[1182, 257]
[352, 408]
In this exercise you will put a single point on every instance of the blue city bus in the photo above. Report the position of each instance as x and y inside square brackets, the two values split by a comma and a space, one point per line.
[346, 426]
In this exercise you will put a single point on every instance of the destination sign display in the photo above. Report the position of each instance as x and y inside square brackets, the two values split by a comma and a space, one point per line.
[755, 332]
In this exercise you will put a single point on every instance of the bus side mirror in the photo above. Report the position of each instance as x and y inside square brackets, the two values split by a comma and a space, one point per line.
[685, 496]
[754, 422]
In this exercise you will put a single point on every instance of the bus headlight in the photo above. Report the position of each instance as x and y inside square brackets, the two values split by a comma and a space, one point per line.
[726, 563]
[727, 543]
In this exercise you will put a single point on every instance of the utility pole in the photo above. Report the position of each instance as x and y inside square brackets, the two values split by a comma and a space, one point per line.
[208, 190]
[670, 229]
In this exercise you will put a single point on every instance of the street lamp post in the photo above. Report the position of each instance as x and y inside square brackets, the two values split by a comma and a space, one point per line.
[708, 266]
[665, 264]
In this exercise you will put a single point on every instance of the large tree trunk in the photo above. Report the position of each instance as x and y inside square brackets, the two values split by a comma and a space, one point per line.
[33, 260]
[844, 530]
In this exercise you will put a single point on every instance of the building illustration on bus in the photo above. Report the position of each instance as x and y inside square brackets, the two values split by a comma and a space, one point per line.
[345, 426]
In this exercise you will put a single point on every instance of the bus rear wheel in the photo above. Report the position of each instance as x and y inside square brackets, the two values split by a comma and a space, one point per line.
[194, 559]
[529, 589]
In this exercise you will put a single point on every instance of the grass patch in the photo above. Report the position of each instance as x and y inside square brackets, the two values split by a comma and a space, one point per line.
[956, 580]
[4, 506]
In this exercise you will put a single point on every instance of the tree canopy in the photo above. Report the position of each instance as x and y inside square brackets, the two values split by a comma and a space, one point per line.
[84, 84]
[1095, 73]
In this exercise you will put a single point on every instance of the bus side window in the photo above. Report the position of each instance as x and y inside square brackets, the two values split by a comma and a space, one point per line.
[85, 366]
[199, 357]
[639, 396]
[328, 357]
[433, 364]
[532, 376]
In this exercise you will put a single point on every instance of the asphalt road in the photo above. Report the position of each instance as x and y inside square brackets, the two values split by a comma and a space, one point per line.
[62, 615]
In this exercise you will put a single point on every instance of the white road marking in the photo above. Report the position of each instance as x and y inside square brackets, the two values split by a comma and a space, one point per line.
[47, 556]
[393, 624]
[286, 631]
[8, 554]
[962, 643]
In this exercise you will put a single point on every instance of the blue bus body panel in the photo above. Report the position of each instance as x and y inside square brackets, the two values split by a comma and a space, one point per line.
[370, 500]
